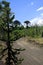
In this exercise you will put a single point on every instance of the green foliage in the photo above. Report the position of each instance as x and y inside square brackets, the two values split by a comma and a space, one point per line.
[16, 34]
[6, 35]
[9, 32]
[32, 32]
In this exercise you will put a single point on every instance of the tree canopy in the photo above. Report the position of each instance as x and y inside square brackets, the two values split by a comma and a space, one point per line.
[27, 22]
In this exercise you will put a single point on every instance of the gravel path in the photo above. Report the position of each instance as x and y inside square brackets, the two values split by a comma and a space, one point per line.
[33, 55]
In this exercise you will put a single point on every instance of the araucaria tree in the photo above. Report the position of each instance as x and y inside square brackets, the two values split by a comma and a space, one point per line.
[17, 23]
[6, 19]
[27, 22]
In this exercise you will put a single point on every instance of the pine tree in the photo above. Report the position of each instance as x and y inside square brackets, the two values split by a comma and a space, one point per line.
[7, 19]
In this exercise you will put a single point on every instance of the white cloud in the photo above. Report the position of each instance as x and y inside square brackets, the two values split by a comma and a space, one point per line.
[37, 20]
[41, 14]
[40, 22]
[39, 9]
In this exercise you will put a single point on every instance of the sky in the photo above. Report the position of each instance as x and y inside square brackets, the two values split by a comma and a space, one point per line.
[31, 10]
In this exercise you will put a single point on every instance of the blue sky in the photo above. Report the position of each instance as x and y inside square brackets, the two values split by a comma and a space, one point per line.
[31, 10]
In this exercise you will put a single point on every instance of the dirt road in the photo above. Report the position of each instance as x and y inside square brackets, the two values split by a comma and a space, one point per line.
[33, 55]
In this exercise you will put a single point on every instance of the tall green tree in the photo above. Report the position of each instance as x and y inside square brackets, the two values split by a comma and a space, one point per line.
[7, 19]
[17, 23]
[27, 22]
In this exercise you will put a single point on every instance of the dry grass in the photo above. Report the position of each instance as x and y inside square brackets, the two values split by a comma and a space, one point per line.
[37, 40]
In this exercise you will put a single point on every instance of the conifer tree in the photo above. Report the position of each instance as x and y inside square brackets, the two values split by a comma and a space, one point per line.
[7, 19]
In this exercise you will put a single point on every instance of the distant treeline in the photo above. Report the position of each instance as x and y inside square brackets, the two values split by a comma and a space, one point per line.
[21, 31]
